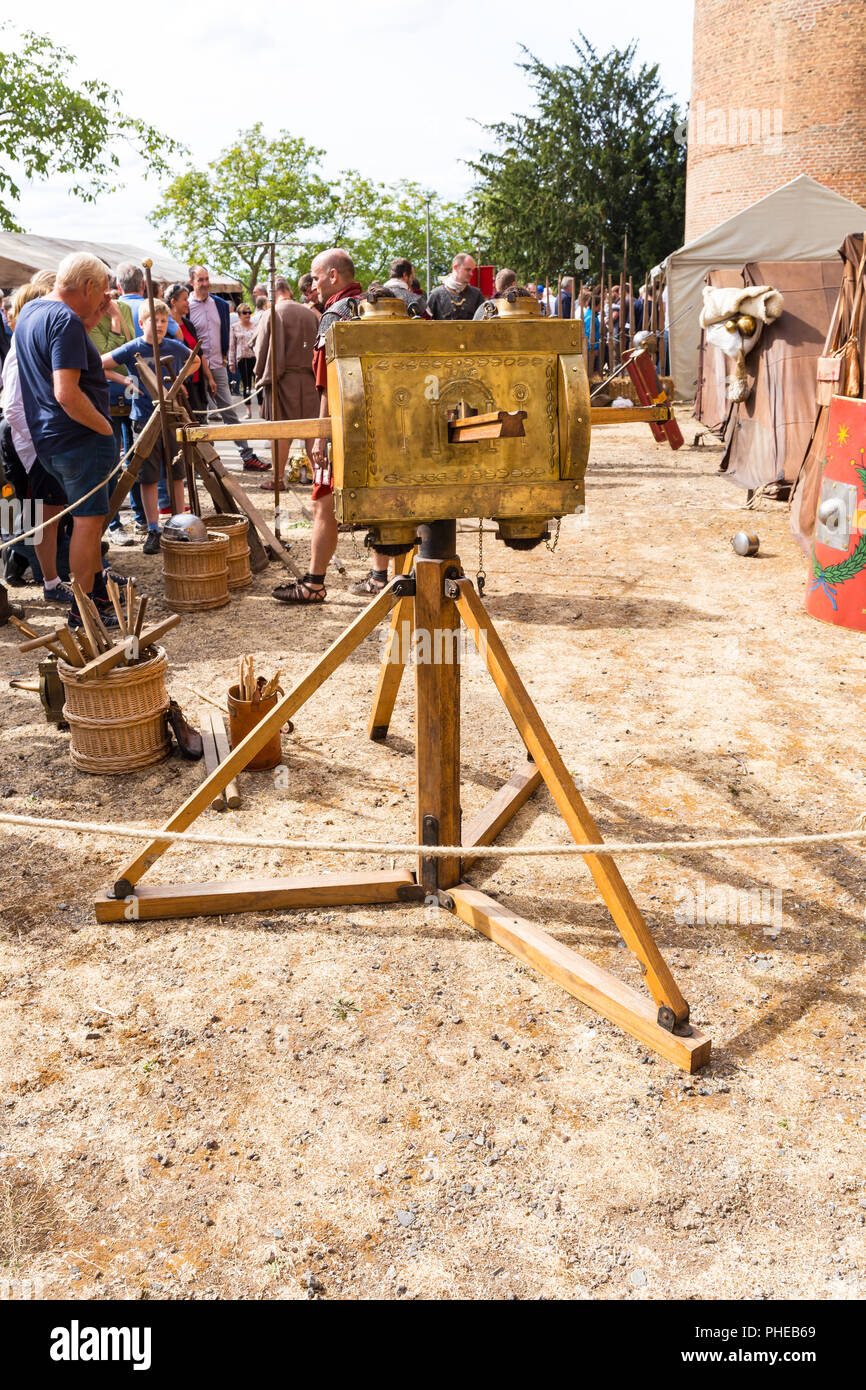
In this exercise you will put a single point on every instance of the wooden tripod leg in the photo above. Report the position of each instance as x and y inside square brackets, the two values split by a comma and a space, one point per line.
[484, 828]
[256, 739]
[395, 659]
[612, 998]
[560, 784]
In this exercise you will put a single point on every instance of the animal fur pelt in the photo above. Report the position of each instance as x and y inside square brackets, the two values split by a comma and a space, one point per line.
[760, 302]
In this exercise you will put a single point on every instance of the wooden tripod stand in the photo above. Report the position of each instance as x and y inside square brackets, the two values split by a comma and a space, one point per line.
[436, 597]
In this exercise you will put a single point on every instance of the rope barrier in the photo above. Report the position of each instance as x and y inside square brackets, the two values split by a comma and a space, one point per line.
[221, 409]
[613, 847]
[52, 520]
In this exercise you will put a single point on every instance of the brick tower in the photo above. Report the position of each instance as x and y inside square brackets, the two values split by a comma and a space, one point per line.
[778, 89]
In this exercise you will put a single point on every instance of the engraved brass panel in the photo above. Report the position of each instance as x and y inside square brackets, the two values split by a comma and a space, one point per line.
[393, 386]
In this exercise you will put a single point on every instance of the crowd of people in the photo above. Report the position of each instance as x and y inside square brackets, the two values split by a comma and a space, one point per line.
[73, 404]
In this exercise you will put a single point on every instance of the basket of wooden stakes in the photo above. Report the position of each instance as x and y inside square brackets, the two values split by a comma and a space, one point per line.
[114, 683]
[249, 701]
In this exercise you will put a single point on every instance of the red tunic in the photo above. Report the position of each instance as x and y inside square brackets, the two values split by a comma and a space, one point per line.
[323, 474]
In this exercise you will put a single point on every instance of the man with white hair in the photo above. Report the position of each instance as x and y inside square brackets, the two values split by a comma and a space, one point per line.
[456, 297]
[66, 405]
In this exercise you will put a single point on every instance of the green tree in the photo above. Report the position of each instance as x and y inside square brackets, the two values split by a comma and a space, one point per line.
[49, 126]
[257, 190]
[376, 223]
[599, 157]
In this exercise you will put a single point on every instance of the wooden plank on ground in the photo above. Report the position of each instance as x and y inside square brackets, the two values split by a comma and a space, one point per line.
[151, 902]
[612, 998]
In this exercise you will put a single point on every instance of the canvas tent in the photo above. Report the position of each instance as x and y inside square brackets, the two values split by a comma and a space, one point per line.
[801, 221]
[22, 254]
[767, 434]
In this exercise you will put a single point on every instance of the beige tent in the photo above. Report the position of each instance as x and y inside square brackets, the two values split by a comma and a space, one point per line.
[801, 221]
[22, 254]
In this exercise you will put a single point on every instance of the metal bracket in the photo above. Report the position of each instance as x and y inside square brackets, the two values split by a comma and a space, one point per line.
[429, 862]
[452, 588]
[439, 899]
[410, 893]
[403, 586]
[667, 1019]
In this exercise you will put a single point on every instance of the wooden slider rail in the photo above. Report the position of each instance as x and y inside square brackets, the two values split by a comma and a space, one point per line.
[629, 415]
[259, 429]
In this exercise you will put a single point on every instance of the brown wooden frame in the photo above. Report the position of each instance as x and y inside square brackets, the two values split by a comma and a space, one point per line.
[439, 597]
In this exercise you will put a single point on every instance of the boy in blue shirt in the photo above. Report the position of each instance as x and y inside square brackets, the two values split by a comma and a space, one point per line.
[141, 410]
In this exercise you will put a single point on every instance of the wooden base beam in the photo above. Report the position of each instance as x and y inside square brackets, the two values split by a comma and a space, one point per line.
[630, 414]
[260, 429]
[603, 992]
[502, 806]
[153, 902]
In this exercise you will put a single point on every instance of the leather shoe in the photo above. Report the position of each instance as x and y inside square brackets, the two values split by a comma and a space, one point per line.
[188, 741]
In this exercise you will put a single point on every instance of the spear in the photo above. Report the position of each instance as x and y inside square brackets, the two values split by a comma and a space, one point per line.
[602, 335]
[275, 445]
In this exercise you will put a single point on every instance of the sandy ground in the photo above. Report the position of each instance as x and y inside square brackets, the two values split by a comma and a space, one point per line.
[376, 1102]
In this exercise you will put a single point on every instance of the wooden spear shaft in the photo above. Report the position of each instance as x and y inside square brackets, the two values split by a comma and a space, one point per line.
[160, 392]
[275, 385]
[622, 284]
[601, 326]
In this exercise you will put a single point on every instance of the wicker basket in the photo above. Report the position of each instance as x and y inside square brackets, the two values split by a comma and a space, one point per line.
[236, 528]
[118, 721]
[196, 573]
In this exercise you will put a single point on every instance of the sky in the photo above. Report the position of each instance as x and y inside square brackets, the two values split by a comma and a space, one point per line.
[394, 88]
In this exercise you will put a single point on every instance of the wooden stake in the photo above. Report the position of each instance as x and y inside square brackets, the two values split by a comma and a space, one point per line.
[231, 793]
[211, 762]
[114, 595]
[139, 617]
[83, 602]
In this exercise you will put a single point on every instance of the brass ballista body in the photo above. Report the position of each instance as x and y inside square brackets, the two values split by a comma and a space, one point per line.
[397, 388]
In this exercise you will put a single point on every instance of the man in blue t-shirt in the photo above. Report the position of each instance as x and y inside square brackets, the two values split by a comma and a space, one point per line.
[65, 397]
[141, 409]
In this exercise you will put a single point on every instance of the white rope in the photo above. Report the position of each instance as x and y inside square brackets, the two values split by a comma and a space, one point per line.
[52, 520]
[220, 409]
[133, 832]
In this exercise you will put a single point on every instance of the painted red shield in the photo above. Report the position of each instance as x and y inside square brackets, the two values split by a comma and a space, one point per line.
[836, 589]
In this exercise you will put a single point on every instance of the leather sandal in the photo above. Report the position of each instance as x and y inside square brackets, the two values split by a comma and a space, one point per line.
[301, 591]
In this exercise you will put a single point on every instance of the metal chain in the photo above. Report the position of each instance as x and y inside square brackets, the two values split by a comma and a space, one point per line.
[550, 547]
[480, 576]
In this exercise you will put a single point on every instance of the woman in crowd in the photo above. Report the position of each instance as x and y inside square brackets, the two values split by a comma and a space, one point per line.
[177, 299]
[242, 354]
